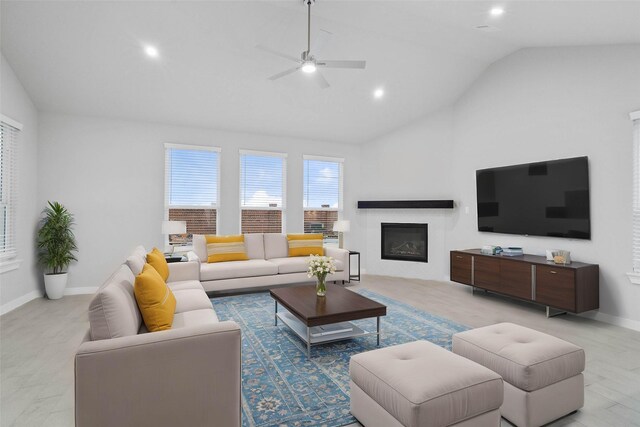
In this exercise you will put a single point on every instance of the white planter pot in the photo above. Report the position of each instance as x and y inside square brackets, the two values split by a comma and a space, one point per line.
[54, 285]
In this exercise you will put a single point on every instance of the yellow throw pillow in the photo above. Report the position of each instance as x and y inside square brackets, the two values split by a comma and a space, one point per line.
[155, 300]
[226, 248]
[305, 244]
[159, 262]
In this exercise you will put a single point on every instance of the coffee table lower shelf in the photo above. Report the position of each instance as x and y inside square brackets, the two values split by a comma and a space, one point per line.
[306, 334]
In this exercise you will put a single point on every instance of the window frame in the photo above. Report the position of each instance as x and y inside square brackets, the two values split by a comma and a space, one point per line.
[167, 184]
[9, 251]
[634, 275]
[283, 208]
[340, 208]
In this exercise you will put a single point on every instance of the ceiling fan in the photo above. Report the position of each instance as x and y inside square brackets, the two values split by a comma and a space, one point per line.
[308, 63]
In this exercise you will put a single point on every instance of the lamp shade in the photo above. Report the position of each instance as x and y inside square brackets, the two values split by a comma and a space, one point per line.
[174, 227]
[342, 225]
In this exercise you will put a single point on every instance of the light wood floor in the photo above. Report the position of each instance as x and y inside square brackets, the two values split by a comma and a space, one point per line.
[38, 340]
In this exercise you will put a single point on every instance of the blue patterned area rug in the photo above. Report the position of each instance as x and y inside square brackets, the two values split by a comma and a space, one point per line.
[281, 387]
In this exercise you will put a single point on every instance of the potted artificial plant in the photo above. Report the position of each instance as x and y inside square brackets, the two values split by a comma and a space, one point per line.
[56, 245]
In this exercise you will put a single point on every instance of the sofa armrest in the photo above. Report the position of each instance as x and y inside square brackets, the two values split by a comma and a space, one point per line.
[192, 256]
[181, 271]
[338, 254]
[187, 376]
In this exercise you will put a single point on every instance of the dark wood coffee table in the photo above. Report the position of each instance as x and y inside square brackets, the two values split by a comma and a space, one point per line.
[319, 320]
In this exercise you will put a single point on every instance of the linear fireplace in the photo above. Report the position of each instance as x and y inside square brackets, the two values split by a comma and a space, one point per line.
[405, 242]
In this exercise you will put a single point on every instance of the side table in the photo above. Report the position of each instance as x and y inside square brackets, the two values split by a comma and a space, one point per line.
[355, 277]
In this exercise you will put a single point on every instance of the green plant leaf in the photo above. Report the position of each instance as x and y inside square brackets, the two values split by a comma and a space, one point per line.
[56, 242]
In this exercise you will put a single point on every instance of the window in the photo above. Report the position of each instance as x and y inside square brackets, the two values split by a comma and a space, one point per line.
[191, 189]
[635, 275]
[262, 191]
[322, 195]
[8, 146]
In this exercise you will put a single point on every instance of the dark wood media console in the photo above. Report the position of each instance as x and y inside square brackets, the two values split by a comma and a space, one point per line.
[573, 288]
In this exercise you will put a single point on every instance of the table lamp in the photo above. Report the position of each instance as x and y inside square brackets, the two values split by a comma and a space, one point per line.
[341, 227]
[173, 227]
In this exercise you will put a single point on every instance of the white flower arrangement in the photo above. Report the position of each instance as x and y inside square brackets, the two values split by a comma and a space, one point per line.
[320, 266]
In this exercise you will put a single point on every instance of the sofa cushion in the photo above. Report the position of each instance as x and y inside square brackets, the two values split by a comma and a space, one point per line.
[191, 299]
[137, 260]
[185, 284]
[254, 243]
[194, 318]
[156, 301]
[305, 244]
[156, 259]
[422, 384]
[298, 264]
[526, 358]
[291, 265]
[113, 311]
[237, 269]
[275, 246]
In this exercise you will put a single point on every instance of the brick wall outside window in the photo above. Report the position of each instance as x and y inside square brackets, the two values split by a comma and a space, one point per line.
[320, 221]
[261, 221]
[199, 221]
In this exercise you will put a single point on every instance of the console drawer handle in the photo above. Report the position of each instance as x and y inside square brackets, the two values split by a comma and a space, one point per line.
[458, 256]
[553, 272]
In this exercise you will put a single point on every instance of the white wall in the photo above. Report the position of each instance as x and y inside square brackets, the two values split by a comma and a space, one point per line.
[21, 284]
[550, 103]
[413, 162]
[110, 174]
[536, 104]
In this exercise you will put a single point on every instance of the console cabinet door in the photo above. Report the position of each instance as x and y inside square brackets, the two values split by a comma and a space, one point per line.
[556, 287]
[461, 267]
[486, 273]
[515, 279]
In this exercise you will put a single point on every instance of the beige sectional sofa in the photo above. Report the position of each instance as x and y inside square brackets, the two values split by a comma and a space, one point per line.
[188, 375]
[268, 264]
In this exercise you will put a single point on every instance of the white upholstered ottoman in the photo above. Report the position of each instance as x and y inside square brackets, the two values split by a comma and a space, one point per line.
[420, 384]
[542, 374]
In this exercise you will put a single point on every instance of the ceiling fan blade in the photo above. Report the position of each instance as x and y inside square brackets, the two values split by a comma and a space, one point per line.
[322, 82]
[341, 64]
[321, 38]
[284, 73]
[280, 54]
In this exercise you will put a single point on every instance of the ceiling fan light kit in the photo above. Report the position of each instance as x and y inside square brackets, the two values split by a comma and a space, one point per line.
[308, 63]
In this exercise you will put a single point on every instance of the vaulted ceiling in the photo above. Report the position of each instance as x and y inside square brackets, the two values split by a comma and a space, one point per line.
[86, 57]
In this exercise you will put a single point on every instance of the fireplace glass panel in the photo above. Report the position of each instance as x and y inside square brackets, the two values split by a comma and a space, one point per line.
[405, 242]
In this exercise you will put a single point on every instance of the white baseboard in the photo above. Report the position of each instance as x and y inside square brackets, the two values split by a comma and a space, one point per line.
[20, 301]
[614, 320]
[83, 290]
[12, 305]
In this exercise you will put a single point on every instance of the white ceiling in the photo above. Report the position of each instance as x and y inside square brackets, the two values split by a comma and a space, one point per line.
[86, 57]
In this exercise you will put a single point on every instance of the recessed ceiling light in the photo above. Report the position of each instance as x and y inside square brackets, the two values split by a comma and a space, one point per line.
[151, 51]
[378, 93]
[496, 11]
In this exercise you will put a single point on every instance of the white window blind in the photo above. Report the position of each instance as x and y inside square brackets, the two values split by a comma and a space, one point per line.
[636, 194]
[322, 195]
[8, 186]
[262, 191]
[192, 188]
[322, 183]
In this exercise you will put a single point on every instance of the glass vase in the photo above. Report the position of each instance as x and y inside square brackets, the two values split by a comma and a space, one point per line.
[321, 286]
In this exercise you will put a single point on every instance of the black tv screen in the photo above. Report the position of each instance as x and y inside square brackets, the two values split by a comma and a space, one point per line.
[539, 199]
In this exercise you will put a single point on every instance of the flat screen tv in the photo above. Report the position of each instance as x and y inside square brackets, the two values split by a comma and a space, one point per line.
[539, 199]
